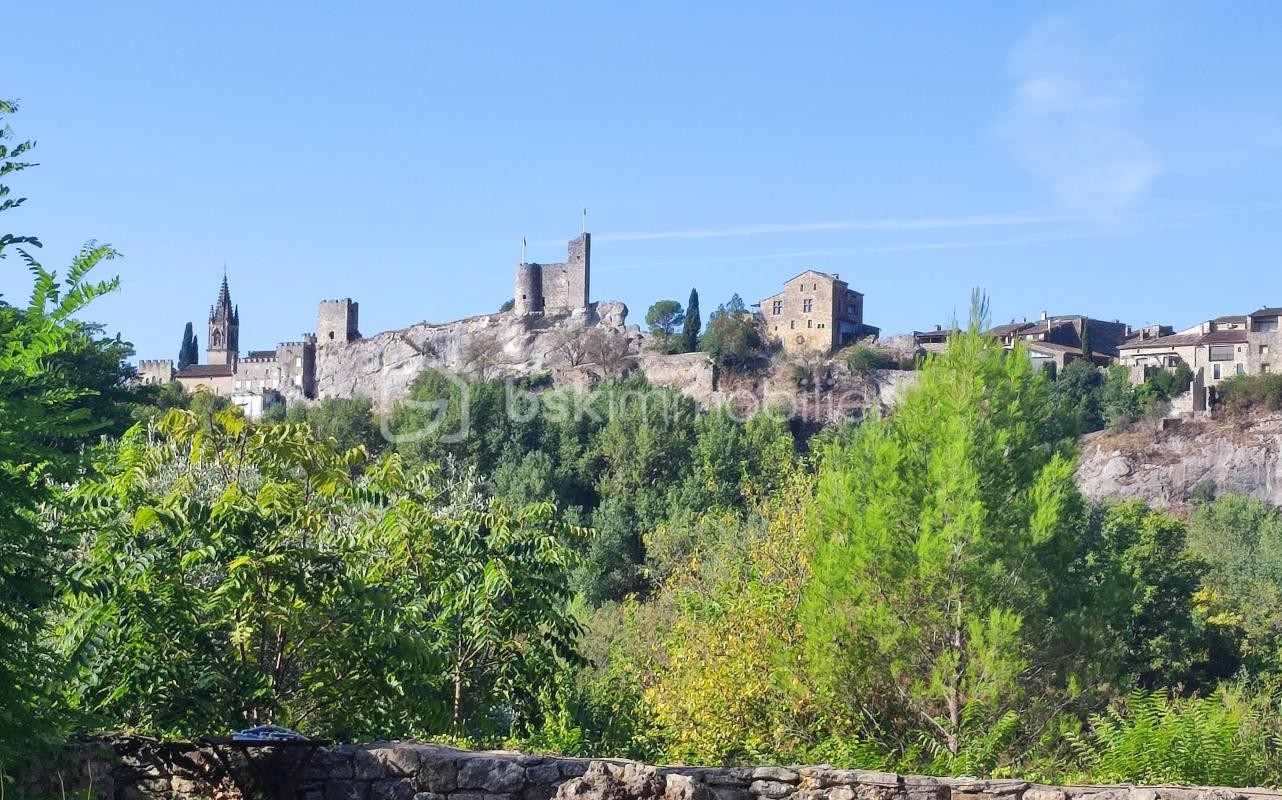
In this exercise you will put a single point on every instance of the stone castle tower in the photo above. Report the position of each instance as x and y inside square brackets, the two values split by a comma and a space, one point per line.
[338, 322]
[548, 288]
[223, 344]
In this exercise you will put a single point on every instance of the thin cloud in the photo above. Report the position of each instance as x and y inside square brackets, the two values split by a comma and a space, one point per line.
[1072, 116]
[1156, 222]
[936, 223]
[897, 248]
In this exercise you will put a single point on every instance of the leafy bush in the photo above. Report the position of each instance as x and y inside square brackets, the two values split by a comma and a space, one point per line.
[1221, 740]
[1167, 383]
[1242, 393]
[865, 360]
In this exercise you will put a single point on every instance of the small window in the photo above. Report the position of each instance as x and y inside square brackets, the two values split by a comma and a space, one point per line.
[1264, 349]
[331, 335]
[810, 323]
[1215, 371]
[792, 324]
[807, 306]
[1239, 369]
[777, 307]
[821, 324]
[1264, 369]
[298, 362]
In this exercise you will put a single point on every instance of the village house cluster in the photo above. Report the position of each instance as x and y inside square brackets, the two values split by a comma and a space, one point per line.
[814, 313]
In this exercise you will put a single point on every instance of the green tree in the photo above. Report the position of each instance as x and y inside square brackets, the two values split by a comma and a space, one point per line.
[1241, 539]
[732, 338]
[187, 350]
[46, 419]
[940, 532]
[1087, 352]
[242, 574]
[1143, 592]
[347, 421]
[662, 318]
[693, 324]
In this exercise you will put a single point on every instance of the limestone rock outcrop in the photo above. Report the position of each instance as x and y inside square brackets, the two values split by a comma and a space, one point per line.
[1163, 466]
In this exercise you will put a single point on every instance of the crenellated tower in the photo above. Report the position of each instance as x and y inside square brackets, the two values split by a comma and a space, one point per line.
[223, 344]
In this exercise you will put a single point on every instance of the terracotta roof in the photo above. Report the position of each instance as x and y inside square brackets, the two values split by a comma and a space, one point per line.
[1188, 340]
[1267, 312]
[206, 371]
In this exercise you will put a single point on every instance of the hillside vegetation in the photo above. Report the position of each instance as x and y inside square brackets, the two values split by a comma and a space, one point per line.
[614, 573]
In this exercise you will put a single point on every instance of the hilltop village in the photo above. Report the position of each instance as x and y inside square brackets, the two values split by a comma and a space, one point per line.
[553, 325]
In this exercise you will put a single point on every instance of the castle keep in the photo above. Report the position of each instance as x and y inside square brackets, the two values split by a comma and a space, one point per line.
[548, 288]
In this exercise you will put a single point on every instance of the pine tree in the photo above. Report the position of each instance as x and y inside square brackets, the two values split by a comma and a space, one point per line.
[185, 351]
[693, 323]
[938, 529]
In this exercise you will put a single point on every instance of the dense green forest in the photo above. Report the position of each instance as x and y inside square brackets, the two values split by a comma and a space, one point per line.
[618, 573]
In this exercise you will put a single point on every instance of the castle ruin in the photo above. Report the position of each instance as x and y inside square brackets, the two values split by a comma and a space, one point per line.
[549, 288]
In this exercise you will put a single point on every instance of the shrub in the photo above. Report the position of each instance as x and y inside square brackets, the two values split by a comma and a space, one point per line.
[1221, 740]
[1251, 392]
[865, 360]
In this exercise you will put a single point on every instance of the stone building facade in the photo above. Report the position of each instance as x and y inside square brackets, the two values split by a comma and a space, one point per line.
[549, 288]
[260, 378]
[816, 313]
[1215, 350]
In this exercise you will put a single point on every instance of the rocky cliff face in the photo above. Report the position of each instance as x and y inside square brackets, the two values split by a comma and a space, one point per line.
[382, 367]
[578, 350]
[1162, 467]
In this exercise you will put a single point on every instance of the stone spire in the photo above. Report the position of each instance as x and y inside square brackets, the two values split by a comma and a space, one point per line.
[223, 344]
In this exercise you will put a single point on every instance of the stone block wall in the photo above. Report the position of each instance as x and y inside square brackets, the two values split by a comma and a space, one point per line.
[149, 770]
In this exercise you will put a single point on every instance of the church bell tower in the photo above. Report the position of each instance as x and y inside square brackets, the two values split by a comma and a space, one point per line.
[223, 344]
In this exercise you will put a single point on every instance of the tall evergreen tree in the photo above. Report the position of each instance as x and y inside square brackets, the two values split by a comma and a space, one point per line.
[1086, 339]
[693, 323]
[185, 351]
[939, 529]
[194, 356]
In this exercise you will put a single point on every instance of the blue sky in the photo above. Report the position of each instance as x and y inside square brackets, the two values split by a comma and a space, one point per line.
[1120, 160]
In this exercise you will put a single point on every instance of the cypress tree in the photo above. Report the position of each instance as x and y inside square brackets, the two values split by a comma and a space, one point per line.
[193, 357]
[690, 331]
[1086, 340]
[185, 351]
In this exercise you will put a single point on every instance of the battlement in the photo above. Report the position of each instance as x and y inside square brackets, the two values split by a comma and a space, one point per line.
[152, 363]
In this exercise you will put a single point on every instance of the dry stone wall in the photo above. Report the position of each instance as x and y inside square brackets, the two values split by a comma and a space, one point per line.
[135, 769]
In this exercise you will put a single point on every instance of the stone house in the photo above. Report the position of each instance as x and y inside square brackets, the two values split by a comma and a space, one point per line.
[815, 313]
[1214, 350]
[1058, 339]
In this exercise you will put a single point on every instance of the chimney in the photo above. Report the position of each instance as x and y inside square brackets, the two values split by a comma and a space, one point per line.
[939, 327]
[1043, 316]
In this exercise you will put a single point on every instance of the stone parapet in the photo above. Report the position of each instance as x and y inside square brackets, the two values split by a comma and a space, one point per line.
[131, 768]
